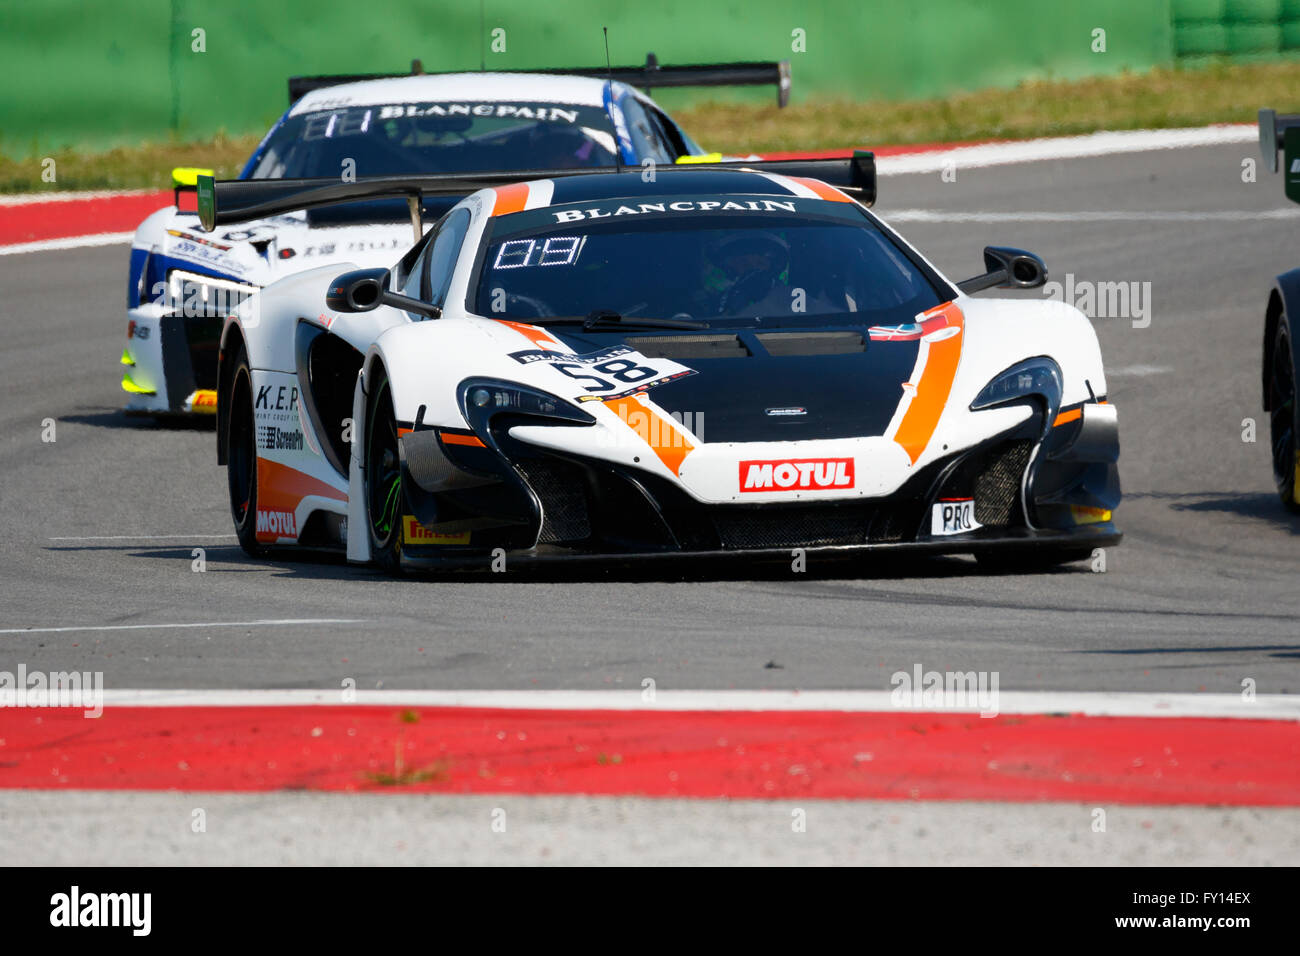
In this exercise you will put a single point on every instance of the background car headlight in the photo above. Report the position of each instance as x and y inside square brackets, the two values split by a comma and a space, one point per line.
[194, 295]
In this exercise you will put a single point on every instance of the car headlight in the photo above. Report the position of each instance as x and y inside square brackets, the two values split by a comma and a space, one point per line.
[483, 398]
[194, 295]
[1034, 377]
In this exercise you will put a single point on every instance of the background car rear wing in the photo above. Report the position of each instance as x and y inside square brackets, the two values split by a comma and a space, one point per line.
[239, 200]
[1282, 133]
[649, 77]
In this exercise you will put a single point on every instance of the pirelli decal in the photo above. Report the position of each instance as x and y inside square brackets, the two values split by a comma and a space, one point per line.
[415, 533]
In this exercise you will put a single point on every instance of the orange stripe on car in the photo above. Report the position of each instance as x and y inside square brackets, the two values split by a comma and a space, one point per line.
[451, 438]
[510, 199]
[659, 431]
[1067, 416]
[540, 338]
[823, 191]
[933, 382]
[281, 489]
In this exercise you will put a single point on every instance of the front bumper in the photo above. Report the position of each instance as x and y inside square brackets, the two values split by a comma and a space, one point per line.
[170, 362]
[1025, 494]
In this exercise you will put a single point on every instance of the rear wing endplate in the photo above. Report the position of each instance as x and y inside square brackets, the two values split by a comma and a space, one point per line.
[1281, 133]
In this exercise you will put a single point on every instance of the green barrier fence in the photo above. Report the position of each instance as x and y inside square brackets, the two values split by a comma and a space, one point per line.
[1237, 28]
[144, 70]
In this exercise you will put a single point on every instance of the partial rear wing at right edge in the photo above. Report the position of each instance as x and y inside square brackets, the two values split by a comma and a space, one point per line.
[1281, 133]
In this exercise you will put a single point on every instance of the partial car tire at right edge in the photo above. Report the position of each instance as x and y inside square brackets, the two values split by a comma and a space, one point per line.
[1282, 415]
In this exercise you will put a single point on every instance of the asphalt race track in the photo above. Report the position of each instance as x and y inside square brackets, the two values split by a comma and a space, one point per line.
[100, 527]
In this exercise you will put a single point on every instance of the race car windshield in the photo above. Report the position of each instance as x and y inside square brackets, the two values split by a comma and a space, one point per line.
[437, 138]
[736, 269]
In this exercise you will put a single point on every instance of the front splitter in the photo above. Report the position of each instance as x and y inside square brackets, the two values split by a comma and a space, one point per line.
[1003, 541]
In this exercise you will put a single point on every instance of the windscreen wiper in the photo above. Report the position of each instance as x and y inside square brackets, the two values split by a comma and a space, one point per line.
[606, 319]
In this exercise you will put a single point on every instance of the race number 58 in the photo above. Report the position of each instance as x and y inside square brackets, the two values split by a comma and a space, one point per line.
[622, 371]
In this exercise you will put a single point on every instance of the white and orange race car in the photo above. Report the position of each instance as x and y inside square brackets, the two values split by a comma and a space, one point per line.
[708, 361]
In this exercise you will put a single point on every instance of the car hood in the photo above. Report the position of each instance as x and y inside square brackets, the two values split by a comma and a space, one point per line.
[777, 385]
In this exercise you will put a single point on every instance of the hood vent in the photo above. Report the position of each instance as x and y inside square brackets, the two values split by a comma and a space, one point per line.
[787, 344]
[689, 346]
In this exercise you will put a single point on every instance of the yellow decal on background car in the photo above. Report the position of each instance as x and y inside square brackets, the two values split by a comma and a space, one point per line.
[126, 358]
[128, 385]
[415, 533]
[189, 175]
[1083, 514]
[706, 158]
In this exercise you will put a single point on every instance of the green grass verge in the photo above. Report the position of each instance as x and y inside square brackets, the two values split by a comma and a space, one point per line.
[147, 166]
[1194, 96]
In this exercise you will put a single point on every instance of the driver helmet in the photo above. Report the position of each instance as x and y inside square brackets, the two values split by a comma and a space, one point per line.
[743, 253]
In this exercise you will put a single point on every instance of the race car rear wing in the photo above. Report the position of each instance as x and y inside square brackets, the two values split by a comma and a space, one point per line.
[1282, 133]
[239, 200]
[648, 77]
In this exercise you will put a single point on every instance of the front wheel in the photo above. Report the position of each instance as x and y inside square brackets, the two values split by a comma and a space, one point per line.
[383, 484]
[241, 458]
[1282, 415]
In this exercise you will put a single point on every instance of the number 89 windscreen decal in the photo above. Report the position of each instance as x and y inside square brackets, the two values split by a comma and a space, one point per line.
[554, 251]
[614, 372]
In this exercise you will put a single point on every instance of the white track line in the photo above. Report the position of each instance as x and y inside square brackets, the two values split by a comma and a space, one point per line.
[140, 537]
[27, 199]
[74, 242]
[283, 622]
[1125, 370]
[1272, 706]
[1064, 147]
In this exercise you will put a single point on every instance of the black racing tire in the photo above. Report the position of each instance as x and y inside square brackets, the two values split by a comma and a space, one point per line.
[1282, 415]
[383, 476]
[1027, 562]
[241, 456]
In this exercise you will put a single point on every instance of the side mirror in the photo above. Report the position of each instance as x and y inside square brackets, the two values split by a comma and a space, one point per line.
[1008, 268]
[367, 289]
